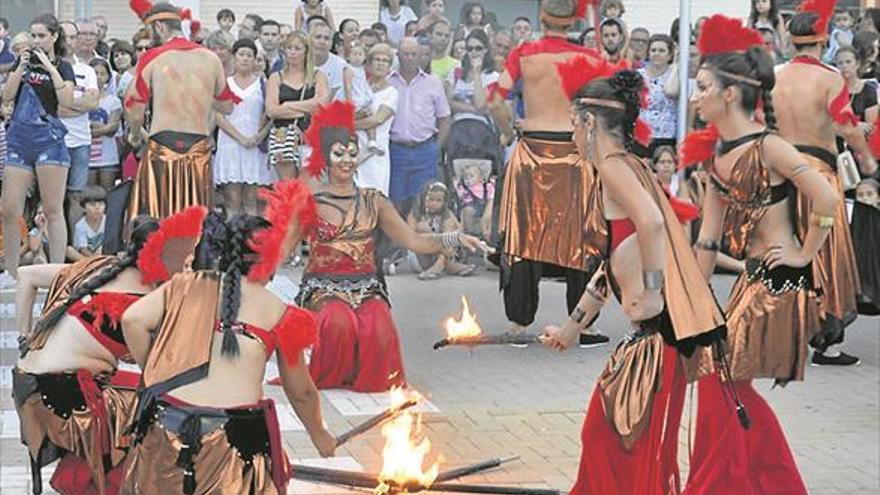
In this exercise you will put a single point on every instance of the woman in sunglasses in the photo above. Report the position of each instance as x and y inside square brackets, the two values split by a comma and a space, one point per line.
[466, 87]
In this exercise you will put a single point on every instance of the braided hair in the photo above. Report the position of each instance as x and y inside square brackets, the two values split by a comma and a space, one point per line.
[756, 64]
[141, 227]
[236, 259]
[625, 87]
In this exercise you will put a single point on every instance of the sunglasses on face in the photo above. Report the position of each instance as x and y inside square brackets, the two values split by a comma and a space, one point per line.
[476, 48]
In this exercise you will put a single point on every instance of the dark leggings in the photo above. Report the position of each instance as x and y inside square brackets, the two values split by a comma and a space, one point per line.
[521, 290]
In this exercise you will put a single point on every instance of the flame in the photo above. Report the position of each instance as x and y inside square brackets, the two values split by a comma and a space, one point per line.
[405, 449]
[467, 326]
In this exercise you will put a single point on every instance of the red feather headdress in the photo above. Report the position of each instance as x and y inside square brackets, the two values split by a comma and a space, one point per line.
[288, 201]
[698, 146]
[183, 226]
[823, 9]
[720, 34]
[335, 114]
[580, 71]
[142, 8]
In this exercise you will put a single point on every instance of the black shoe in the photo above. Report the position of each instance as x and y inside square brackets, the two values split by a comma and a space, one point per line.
[588, 340]
[842, 359]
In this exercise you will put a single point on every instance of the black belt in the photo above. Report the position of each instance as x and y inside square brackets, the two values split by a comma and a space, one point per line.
[820, 153]
[180, 142]
[557, 136]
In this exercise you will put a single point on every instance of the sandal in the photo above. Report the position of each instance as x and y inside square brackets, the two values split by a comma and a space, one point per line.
[428, 275]
[462, 270]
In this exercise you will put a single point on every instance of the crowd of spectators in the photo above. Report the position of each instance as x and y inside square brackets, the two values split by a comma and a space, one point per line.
[419, 81]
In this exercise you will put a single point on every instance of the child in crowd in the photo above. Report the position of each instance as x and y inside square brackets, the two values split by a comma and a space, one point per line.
[311, 8]
[104, 122]
[841, 35]
[361, 93]
[226, 19]
[611, 9]
[38, 241]
[431, 214]
[88, 233]
[475, 189]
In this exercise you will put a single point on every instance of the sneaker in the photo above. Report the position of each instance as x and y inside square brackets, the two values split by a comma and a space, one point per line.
[7, 281]
[842, 359]
[588, 340]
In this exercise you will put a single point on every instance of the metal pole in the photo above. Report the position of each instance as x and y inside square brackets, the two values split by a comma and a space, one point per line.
[684, 42]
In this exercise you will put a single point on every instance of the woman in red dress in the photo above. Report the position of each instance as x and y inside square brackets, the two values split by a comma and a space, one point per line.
[358, 347]
[772, 312]
[630, 434]
[72, 401]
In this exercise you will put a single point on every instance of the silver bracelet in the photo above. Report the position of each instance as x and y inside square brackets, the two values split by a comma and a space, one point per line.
[450, 240]
[653, 280]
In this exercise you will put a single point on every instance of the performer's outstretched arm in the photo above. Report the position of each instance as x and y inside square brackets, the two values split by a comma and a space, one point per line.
[30, 279]
[403, 235]
[584, 314]
[304, 397]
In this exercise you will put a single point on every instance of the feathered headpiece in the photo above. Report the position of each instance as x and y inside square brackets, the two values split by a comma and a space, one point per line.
[173, 242]
[335, 114]
[581, 70]
[698, 146]
[142, 9]
[823, 9]
[720, 34]
[288, 201]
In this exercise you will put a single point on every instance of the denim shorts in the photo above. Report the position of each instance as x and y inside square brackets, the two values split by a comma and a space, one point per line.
[78, 175]
[30, 144]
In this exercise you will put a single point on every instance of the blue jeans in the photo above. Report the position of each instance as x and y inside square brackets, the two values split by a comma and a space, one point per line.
[78, 175]
[411, 168]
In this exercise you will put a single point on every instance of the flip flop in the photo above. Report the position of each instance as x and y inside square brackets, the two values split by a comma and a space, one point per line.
[426, 275]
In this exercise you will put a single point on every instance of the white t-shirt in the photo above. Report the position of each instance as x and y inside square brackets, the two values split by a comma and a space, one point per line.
[104, 151]
[85, 237]
[78, 131]
[333, 68]
[464, 91]
[396, 26]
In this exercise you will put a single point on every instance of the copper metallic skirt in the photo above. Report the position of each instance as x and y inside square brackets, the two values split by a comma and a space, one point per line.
[55, 420]
[771, 318]
[545, 203]
[168, 182]
[834, 268]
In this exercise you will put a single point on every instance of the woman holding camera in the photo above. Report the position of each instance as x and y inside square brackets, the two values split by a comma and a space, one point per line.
[39, 83]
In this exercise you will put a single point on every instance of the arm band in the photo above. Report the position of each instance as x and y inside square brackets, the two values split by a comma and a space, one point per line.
[653, 280]
[822, 221]
[450, 239]
[577, 315]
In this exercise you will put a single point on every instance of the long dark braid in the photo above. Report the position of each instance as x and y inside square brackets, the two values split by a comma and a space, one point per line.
[235, 260]
[142, 226]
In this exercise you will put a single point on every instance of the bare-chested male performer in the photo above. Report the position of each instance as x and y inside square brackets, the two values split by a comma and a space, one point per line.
[812, 105]
[182, 83]
[546, 183]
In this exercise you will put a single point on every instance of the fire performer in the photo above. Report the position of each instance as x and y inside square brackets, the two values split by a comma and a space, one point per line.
[72, 402]
[358, 346]
[183, 83]
[772, 311]
[630, 434]
[546, 180]
[810, 119]
[202, 421]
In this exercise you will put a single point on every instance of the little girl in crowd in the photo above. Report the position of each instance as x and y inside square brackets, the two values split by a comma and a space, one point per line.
[361, 93]
[475, 191]
[431, 214]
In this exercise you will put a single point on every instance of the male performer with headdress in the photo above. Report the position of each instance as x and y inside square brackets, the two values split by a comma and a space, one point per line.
[546, 181]
[810, 118]
[182, 83]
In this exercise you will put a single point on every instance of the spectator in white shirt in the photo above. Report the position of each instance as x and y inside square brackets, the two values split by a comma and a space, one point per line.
[334, 67]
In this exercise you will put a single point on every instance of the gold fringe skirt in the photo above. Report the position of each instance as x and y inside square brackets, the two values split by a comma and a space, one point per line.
[168, 182]
[768, 329]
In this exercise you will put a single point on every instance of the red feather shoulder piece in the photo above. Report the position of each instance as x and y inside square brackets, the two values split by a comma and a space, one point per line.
[824, 9]
[335, 114]
[581, 70]
[296, 331]
[287, 201]
[698, 146]
[874, 139]
[186, 224]
[721, 34]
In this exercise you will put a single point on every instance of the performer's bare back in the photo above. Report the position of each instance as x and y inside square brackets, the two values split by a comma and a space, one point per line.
[183, 86]
[800, 99]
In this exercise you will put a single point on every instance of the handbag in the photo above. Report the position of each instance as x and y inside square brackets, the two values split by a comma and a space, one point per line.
[847, 170]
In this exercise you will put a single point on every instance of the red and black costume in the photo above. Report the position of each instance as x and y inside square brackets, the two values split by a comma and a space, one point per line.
[78, 415]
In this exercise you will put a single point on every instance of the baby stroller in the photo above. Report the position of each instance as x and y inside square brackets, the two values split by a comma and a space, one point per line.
[470, 139]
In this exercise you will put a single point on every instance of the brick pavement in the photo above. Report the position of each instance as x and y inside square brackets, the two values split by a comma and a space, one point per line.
[503, 401]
